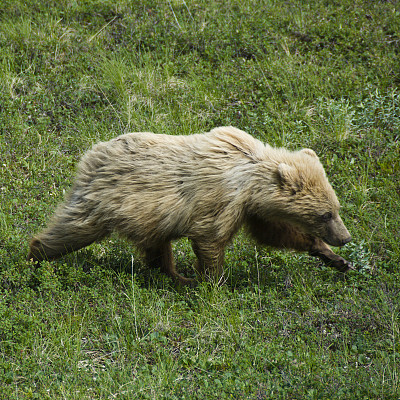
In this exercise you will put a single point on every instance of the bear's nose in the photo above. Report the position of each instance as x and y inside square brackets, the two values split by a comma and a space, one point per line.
[347, 240]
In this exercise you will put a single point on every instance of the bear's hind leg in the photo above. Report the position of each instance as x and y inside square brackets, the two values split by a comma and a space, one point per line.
[161, 257]
[285, 236]
[50, 245]
[65, 234]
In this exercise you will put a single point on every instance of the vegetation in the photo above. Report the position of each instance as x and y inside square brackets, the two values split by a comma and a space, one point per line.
[96, 324]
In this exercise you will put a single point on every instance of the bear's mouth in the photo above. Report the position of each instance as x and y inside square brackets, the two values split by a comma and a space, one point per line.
[337, 242]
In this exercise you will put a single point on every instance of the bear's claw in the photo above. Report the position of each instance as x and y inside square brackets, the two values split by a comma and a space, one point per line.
[341, 265]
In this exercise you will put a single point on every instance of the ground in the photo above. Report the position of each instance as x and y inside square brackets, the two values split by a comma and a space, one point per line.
[297, 74]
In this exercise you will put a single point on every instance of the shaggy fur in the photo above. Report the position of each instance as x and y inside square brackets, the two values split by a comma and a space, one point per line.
[153, 189]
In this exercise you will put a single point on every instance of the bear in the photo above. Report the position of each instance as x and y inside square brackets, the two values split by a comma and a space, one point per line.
[156, 188]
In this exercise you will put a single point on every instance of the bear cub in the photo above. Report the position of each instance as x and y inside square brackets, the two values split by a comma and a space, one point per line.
[154, 188]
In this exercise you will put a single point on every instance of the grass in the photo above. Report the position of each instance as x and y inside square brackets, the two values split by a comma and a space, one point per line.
[97, 324]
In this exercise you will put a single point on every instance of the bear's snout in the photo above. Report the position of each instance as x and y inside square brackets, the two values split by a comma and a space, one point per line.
[347, 240]
[334, 241]
[337, 234]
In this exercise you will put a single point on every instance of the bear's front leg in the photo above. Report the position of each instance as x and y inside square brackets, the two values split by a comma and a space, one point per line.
[210, 260]
[321, 250]
[161, 257]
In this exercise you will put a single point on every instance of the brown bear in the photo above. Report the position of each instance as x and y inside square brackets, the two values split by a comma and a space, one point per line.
[154, 188]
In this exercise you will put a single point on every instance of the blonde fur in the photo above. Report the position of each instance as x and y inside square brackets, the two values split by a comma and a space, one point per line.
[154, 188]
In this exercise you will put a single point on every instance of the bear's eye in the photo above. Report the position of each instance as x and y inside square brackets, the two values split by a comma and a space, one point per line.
[327, 217]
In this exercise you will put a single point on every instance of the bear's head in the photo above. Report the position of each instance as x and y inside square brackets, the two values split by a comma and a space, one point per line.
[307, 199]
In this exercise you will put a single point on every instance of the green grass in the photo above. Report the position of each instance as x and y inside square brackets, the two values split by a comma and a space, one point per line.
[97, 324]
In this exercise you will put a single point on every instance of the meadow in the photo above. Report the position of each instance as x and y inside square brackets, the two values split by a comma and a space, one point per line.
[97, 324]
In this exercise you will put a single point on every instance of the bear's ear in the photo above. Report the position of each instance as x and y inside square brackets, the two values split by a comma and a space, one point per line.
[287, 173]
[289, 178]
[310, 152]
